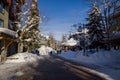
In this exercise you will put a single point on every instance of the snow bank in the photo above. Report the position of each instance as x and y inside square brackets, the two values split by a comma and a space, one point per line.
[23, 57]
[76, 56]
[110, 58]
[45, 50]
[69, 54]
[106, 56]
[100, 58]
[103, 61]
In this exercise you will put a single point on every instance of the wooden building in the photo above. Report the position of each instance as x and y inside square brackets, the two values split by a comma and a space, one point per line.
[7, 35]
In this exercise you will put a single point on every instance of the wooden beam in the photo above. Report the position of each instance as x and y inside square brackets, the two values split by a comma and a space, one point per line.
[6, 38]
[1, 37]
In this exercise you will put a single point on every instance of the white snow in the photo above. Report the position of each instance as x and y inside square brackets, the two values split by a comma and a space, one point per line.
[8, 32]
[45, 36]
[8, 70]
[28, 40]
[23, 57]
[11, 67]
[71, 42]
[75, 56]
[45, 50]
[83, 31]
[106, 57]
[103, 61]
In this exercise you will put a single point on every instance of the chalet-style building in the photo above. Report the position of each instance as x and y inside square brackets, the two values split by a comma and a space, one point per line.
[77, 40]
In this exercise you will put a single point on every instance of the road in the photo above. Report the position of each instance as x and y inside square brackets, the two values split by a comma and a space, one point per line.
[52, 68]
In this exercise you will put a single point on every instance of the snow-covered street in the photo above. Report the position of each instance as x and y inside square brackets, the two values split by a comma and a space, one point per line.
[65, 65]
[49, 68]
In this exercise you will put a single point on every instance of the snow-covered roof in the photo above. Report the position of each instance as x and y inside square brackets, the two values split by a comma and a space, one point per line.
[71, 42]
[8, 32]
[81, 32]
[45, 36]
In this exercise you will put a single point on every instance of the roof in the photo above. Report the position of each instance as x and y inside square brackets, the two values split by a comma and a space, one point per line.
[83, 31]
[8, 33]
[71, 42]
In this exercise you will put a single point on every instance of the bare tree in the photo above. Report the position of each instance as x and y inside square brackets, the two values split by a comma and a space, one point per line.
[108, 12]
[27, 22]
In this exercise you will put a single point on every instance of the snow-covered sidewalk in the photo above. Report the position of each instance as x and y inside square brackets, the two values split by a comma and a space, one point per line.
[10, 68]
[106, 62]
[23, 57]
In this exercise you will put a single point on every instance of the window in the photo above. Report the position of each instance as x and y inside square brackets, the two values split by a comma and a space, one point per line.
[114, 21]
[1, 8]
[1, 23]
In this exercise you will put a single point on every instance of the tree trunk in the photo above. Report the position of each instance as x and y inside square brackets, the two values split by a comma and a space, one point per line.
[3, 56]
[20, 47]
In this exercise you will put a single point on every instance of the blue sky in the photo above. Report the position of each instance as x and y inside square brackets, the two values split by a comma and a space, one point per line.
[61, 14]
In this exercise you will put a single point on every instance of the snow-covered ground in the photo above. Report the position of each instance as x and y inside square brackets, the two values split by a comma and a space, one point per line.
[103, 61]
[106, 62]
[23, 57]
[9, 69]
[13, 63]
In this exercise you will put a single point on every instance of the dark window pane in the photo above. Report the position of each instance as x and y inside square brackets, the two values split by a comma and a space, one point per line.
[1, 23]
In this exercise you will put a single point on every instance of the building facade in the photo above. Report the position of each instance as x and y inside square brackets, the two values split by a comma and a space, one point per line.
[115, 27]
[7, 35]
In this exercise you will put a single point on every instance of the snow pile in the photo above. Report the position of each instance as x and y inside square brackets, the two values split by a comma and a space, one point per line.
[103, 61]
[75, 56]
[23, 57]
[110, 58]
[45, 50]
[101, 57]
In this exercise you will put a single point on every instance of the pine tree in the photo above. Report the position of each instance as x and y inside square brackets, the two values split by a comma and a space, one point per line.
[95, 27]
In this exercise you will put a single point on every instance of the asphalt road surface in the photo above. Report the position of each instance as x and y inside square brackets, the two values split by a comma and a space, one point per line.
[52, 68]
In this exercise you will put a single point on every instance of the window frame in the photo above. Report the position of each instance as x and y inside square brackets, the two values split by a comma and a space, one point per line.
[1, 20]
